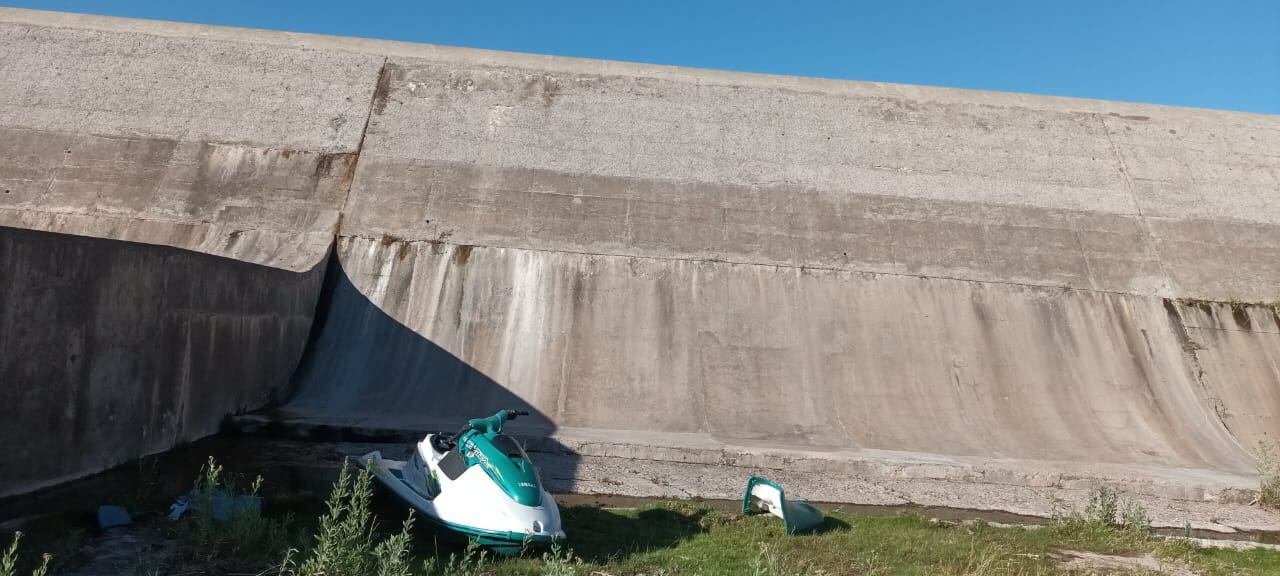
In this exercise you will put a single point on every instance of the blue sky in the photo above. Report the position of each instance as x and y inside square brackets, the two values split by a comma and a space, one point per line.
[1208, 53]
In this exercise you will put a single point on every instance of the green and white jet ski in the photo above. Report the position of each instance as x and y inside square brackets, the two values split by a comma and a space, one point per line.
[478, 483]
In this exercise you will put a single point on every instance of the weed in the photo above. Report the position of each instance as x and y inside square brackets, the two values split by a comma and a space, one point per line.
[1104, 504]
[239, 535]
[1181, 550]
[764, 562]
[870, 563]
[60, 534]
[9, 560]
[472, 561]
[391, 556]
[769, 562]
[1267, 460]
[288, 565]
[559, 561]
[1106, 508]
[1109, 523]
[345, 543]
[345, 540]
[983, 561]
[1062, 512]
[1135, 518]
[43, 568]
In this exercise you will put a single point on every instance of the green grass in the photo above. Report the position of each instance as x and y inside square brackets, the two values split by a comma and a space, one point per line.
[355, 533]
[683, 538]
[1222, 562]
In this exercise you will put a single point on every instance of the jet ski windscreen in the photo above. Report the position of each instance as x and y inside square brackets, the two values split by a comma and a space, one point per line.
[509, 447]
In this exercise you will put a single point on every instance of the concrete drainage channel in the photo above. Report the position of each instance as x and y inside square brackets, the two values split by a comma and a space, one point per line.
[291, 468]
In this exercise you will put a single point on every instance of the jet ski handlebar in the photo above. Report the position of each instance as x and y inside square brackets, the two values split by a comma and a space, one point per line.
[482, 425]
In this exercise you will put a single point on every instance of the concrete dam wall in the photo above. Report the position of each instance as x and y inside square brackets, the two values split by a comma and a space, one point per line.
[661, 262]
[167, 203]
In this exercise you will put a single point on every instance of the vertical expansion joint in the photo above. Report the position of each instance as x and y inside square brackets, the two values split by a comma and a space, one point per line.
[377, 102]
[1137, 204]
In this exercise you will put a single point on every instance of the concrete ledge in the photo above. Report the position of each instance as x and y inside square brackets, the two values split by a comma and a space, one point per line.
[1198, 485]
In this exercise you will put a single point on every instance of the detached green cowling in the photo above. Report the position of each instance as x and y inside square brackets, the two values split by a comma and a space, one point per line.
[766, 496]
[501, 458]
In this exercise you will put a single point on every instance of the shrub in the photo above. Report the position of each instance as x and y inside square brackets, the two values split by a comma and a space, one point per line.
[1135, 517]
[559, 562]
[242, 536]
[1105, 509]
[472, 561]
[391, 556]
[1104, 504]
[345, 542]
[1268, 463]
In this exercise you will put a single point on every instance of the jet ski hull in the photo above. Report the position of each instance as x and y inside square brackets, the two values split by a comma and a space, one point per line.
[390, 473]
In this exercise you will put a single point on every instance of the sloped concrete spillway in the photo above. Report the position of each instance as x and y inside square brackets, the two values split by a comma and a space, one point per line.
[664, 263]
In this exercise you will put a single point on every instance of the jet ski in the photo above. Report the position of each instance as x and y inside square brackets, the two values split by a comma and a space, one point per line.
[478, 483]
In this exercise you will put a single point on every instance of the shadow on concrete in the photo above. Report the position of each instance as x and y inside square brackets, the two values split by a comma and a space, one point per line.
[112, 349]
[365, 376]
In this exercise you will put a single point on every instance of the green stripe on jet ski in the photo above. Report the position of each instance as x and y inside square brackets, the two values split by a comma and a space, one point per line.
[498, 535]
